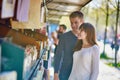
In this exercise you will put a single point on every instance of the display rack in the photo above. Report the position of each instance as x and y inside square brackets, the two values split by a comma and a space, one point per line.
[21, 40]
[18, 41]
[36, 66]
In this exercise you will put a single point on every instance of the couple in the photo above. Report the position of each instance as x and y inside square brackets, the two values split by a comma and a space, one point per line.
[78, 50]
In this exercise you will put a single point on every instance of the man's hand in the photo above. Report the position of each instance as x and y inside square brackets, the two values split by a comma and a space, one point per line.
[56, 76]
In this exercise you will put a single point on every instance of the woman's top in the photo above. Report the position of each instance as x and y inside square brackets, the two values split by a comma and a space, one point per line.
[85, 64]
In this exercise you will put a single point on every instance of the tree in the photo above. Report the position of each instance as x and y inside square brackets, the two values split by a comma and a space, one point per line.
[116, 45]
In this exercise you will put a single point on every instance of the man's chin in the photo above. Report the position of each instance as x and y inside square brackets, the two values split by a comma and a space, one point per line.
[79, 38]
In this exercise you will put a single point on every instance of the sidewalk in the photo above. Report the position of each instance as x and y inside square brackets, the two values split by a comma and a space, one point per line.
[108, 73]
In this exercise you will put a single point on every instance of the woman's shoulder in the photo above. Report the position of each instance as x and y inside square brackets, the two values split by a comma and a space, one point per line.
[96, 47]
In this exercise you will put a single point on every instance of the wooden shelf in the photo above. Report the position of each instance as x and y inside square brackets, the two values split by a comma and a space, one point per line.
[26, 25]
[16, 36]
[36, 35]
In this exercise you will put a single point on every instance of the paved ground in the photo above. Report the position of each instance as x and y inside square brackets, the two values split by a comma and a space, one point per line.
[108, 73]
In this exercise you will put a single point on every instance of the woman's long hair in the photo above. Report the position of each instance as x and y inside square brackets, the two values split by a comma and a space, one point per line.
[91, 36]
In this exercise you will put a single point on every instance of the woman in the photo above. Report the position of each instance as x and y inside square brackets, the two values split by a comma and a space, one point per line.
[86, 55]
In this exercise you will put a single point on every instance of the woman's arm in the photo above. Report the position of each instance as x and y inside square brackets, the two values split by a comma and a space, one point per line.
[95, 63]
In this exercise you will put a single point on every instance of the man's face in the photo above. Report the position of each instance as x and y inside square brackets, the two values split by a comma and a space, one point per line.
[61, 29]
[75, 23]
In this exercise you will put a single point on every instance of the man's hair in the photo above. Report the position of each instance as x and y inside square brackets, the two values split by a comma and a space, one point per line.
[76, 14]
[64, 26]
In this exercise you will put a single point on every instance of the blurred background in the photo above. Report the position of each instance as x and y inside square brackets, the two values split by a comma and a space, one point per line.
[26, 43]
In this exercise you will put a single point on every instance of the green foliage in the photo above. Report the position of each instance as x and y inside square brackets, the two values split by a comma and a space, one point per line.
[118, 65]
[97, 14]
[104, 56]
[113, 64]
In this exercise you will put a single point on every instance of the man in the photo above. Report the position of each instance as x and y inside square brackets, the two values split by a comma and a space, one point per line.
[65, 48]
[56, 35]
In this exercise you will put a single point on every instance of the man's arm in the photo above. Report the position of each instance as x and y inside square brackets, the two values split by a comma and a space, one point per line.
[58, 56]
